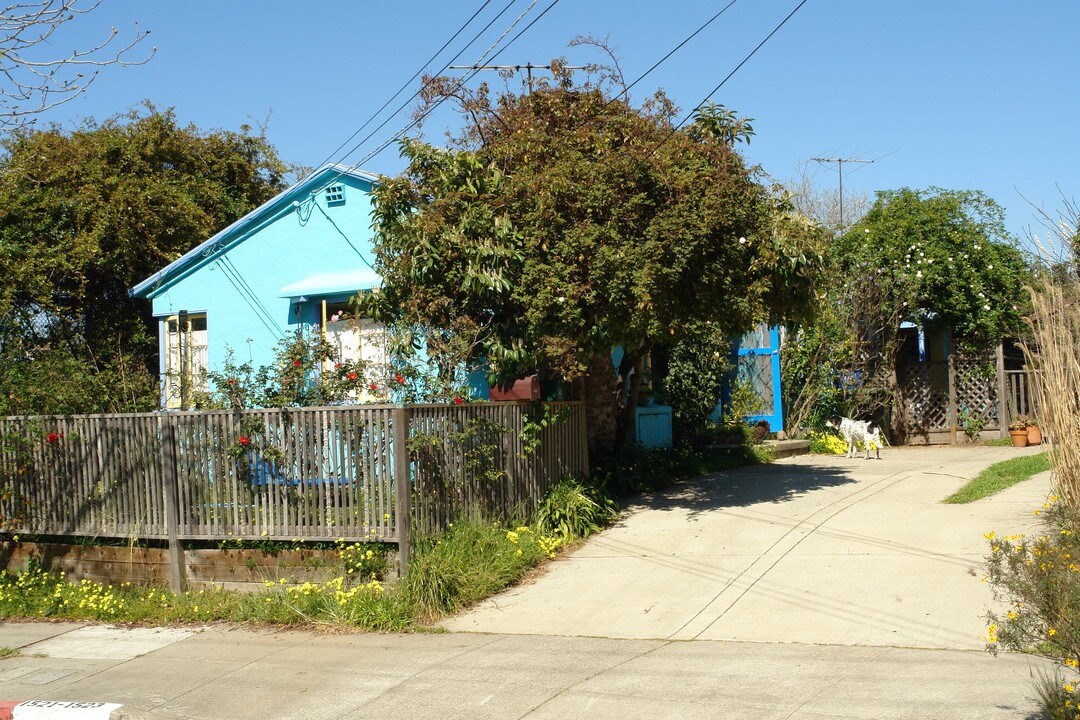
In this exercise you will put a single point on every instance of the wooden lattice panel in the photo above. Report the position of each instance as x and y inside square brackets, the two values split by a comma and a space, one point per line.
[976, 388]
[926, 397]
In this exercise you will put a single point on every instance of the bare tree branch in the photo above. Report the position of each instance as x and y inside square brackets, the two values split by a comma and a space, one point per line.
[32, 83]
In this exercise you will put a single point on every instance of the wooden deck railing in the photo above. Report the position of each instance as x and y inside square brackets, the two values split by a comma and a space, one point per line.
[313, 473]
[1022, 397]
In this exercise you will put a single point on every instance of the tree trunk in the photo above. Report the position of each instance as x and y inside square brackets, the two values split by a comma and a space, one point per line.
[627, 412]
[600, 394]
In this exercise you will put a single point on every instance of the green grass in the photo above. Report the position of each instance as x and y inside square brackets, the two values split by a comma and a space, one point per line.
[6, 652]
[999, 476]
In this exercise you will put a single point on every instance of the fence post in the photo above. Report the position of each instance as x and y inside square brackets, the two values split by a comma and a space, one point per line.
[1003, 400]
[402, 487]
[583, 437]
[954, 415]
[170, 477]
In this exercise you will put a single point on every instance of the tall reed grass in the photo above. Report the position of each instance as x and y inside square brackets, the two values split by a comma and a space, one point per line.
[1053, 354]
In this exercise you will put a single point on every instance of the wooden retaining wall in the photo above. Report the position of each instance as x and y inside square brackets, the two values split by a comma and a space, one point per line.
[205, 569]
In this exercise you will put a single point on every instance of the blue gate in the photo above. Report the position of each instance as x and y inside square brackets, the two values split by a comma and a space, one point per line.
[757, 357]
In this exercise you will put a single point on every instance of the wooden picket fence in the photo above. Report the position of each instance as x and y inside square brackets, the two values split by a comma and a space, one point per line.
[376, 472]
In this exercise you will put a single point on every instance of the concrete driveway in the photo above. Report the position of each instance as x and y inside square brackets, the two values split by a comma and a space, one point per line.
[811, 588]
[811, 549]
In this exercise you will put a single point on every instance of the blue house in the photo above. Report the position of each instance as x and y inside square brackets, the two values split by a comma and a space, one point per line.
[291, 263]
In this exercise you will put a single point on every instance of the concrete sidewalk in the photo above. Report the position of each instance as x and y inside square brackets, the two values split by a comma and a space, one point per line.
[233, 674]
[810, 589]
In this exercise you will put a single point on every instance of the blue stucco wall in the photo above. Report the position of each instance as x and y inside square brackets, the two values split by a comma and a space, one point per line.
[238, 287]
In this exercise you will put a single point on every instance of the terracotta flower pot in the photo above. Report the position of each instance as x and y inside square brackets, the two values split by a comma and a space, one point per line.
[1019, 438]
[1034, 435]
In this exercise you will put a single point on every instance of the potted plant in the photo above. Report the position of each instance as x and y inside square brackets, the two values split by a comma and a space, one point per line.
[1034, 432]
[1018, 431]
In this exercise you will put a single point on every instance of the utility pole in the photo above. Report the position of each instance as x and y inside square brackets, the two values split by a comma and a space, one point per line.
[840, 166]
[528, 67]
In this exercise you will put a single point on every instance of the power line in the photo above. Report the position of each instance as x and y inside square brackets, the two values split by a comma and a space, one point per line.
[677, 48]
[477, 66]
[406, 84]
[417, 93]
[341, 172]
[724, 81]
[461, 82]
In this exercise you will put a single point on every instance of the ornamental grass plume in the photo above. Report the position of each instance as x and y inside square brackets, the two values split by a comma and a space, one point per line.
[1053, 353]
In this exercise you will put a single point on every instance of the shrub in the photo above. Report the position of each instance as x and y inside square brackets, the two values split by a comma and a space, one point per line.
[972, 423]
[826, 443]
[470, 561]
[696, 369]
[1039, 580]
[573, 509]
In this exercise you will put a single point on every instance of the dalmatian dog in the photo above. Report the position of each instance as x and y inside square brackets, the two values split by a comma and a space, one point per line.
[856, 431]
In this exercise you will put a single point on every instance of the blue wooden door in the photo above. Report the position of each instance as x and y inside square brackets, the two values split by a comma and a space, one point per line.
[758, 363]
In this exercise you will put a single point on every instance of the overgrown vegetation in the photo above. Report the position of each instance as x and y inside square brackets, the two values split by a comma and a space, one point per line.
[85, 215]
[568, 220]
[1038, 576]
[999, 476]
[936, 258]
[472, 560]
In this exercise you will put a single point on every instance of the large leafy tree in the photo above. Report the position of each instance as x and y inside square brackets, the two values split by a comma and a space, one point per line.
[568, 221]
[86, 214]
[937, 258]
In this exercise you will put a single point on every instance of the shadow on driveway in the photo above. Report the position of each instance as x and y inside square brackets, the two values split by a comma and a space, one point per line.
[742, 487]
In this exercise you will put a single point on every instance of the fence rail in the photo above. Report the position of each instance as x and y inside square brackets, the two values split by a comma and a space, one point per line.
[313, 473]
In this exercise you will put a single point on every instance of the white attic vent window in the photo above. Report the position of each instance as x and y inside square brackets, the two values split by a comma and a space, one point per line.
[335, 194]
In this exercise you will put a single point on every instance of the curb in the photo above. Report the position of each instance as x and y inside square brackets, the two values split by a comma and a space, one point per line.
[56, 710]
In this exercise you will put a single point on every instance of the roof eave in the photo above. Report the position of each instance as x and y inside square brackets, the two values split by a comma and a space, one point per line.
[145, 289]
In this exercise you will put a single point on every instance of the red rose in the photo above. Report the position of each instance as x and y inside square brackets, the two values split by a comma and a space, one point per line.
[231, 381]
[400, 378]
[296, 363]
[52, 437]
[373, 387]
[458, 401]
[245, 440]
[352, 376]
[337, 365]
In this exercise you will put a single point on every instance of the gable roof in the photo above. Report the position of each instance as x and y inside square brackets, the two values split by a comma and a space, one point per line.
[248, 224]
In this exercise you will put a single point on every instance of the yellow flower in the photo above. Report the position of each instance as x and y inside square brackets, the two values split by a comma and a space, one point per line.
[1051, 632]
[1067, 687]
[1072, 662]
[990, 535]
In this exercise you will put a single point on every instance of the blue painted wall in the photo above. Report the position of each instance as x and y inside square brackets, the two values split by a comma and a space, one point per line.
[298, 235]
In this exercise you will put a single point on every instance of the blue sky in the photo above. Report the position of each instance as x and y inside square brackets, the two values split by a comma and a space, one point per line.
[960, 94]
